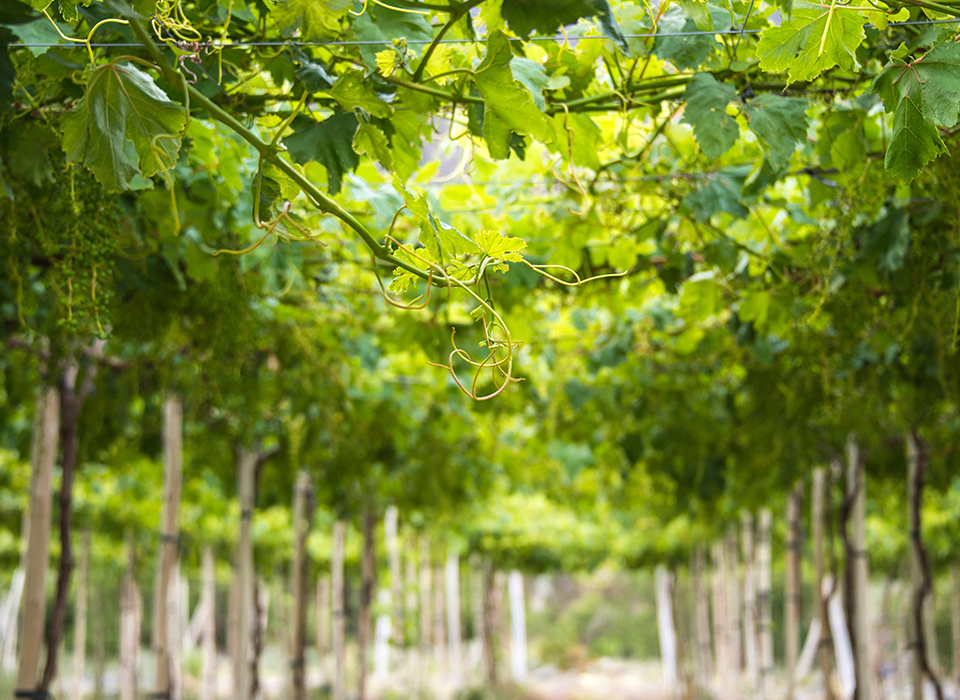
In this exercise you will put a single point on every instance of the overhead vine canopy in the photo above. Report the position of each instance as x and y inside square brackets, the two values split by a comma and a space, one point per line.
[653, 134]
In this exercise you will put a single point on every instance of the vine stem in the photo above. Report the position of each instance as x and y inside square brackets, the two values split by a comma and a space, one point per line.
[270, 154]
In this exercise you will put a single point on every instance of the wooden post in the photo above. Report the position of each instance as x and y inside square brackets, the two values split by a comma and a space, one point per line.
[955, 616]
[10, 611]
[43, 454]
[476, 613]
[80, 619]
[764, 586]
[339, 621]
[665, 628]
[750, 607]
[426, 606]
[454, 635]
[720, 610]
[793, 594]
[702, 613]
[826, 639]
[390, 527]
[503, 620]
[439, 628]
[518, 628]
[245, 593]
[302, 517]
[860, 623]
[930, 629]
[130, 607]
[323, 622]
[100, 642]
[209, 634]
[490, 614]
[921, 575]
[366, 598]
[411, 616]
[734, 641]
[169, 540]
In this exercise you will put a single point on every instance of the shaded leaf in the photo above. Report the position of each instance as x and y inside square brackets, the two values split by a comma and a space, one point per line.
[547, 16]
[706, 111]
[721, 193]
[328, 142]
[780, 123]
[8, 74]
[682, 51]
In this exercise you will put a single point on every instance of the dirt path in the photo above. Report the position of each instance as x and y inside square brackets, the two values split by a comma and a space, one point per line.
[604, 679]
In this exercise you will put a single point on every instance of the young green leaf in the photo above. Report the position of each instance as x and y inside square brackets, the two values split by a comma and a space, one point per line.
[780, 123]
[815, 38]
[706, 111]
[510, 102]
[499, 247]
[372, 142]
[122, 106]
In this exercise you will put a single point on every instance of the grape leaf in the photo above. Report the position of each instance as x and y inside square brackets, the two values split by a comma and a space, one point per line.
[499, 247]
[547, 16]
[440, 239]
[722, 192]
[328, 143]
[706, 111]
[496, 134]
[509, 101]
[921, 94]
[352, 91]
[16, 12]
[579, 136]
[915, 141]
[312, 74]
[122, 107]
[682, 51]
[936, 73]
[372, 142]
[815, 38]
[533, 76]
[780, 123]
[316, 19]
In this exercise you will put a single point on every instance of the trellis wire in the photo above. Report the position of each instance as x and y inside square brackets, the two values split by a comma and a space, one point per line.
[374, 42]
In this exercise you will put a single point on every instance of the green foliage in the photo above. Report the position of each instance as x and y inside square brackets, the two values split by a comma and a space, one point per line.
[922, 95]
[328, 142]
[814, 39]
[780, 123]
[706, 111]
[316, 19]
[122, 105]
